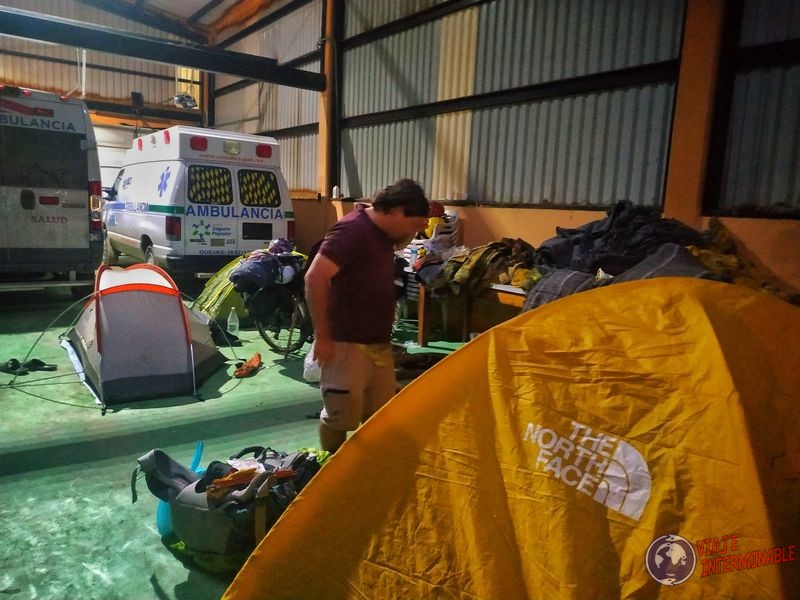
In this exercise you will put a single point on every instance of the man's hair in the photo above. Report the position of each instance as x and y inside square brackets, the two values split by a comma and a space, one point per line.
[404, 193]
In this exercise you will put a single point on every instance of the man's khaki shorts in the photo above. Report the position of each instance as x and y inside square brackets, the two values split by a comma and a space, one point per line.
[356, 383]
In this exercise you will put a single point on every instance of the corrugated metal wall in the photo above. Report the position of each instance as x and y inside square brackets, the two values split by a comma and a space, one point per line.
[592, 149]
[286, 39]
[155, 81]
[524, 42]
[762, 160]
[375, 155]
[589, 149]
[299, 161]
[363, 15]
[283, 106]
[767, 21]
[577, 151]
[264, 107]
[394, 72]
[761, 168]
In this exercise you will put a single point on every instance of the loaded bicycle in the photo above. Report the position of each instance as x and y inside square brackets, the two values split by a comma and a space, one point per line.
[281, 316]
[271, 284]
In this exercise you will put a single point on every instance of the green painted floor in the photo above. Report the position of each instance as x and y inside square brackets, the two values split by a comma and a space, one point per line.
[67, 524]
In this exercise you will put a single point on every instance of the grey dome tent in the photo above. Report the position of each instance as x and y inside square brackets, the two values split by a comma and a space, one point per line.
[136, 340]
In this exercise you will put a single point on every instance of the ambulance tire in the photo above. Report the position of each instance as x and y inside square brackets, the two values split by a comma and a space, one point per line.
[110, 256]
[149, 258]
[80, 292]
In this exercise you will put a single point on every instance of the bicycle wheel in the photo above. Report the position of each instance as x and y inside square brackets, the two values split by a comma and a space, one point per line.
[289, 338]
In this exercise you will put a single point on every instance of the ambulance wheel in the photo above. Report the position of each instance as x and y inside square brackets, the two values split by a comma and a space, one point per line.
[110, 256]
[148, 256]
[80, 292]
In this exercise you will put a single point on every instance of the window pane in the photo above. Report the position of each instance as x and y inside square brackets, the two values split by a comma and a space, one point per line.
[259, 188]
[32, 158]
[210, 185]
[761, 161]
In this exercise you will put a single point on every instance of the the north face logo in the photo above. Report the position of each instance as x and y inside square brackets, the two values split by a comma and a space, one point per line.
[609, 470]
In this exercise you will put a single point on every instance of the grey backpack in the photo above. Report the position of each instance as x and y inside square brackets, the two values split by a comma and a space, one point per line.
[234, 524]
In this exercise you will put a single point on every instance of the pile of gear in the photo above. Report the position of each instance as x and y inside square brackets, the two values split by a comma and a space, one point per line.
[267, 278]
[630, 243]
[277, 265]
[469, 272]
[216, 516]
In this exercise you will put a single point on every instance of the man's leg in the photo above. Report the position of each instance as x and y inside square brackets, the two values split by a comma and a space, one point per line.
[331, 439]
[342, 383]
[382, 386]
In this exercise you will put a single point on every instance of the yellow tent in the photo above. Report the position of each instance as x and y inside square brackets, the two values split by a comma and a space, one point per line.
[218, 295]
[613, 444]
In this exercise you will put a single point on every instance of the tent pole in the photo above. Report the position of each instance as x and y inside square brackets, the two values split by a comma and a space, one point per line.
[194, 375]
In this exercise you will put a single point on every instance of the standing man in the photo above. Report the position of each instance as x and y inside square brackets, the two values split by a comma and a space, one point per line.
[350, 292]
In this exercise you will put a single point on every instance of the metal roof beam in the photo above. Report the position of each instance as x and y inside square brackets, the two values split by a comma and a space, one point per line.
[32, 25]
[190, 116]
[140, 14]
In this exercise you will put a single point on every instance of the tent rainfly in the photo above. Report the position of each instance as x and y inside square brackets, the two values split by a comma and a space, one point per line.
[135, 339]
[613, 444]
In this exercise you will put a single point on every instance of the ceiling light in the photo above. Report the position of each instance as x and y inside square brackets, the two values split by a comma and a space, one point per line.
[184, 101]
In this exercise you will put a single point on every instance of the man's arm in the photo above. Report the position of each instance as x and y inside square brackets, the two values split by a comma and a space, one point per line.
[318, 291]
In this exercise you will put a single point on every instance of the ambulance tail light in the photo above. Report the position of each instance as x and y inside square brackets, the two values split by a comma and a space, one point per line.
[173, 228]
[264, 150]
[199, 143]
[290, 230]
[95, 214]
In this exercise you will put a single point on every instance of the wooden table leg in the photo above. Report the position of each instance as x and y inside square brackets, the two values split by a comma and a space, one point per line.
[422, 317]
[466, 318]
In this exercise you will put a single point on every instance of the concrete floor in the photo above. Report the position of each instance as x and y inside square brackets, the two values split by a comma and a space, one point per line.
[68, 526]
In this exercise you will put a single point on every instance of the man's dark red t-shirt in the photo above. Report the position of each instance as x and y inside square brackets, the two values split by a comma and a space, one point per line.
[361, 308]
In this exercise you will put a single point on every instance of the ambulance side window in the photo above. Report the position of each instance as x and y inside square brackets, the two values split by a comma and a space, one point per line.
[210, 185]
[42, 158]
[259, 188]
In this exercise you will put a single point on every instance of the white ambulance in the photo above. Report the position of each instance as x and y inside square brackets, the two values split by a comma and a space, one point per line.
[189, 199]
[50, 192]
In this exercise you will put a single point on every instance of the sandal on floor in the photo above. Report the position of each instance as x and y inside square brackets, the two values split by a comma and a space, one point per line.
[35, 364]
[12, 367]
[249, 367]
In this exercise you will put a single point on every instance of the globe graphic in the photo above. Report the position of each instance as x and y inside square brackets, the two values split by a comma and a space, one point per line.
[670, 560]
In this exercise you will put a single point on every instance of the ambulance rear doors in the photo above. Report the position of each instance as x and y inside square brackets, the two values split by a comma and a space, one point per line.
[50, 218]
[233, 208]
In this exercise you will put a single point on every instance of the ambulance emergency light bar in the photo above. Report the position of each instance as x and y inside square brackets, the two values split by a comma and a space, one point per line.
[10, 90]
[198, 143]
